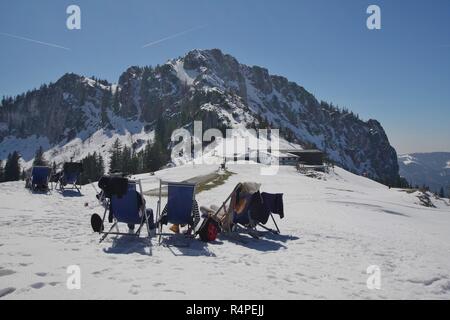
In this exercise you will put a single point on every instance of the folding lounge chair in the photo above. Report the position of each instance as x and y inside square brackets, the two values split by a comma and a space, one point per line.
[39, 178]
[71, 175]
[260, 207]
[181, 207]
[254, 210]
[124, 208]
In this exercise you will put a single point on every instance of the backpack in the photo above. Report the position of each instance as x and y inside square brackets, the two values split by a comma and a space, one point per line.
[209, 230]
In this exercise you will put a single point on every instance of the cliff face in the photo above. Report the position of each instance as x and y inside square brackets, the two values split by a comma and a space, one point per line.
[58, 111]
[203, 85]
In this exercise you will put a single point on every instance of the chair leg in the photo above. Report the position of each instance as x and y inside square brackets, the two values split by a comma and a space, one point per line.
[271, 230]
[273, 219]
[143, 221]
[160, 233]
[107, 233]
[148, 225]
[138, 231]
[268, 229]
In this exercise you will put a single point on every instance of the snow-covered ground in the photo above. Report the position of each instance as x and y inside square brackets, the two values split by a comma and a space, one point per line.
[335, 228]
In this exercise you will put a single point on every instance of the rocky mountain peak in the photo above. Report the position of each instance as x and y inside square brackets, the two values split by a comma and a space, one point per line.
[205, 85]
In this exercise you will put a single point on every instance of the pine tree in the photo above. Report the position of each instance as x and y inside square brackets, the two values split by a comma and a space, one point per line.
[441, 193]
[115, 163]
[101, 166]
[126, 160]
[93, 168]
[39, 159]
[157, 156]
[12, 167]
[86, 175]
[2, 172]
[135, 163]
[147, 157]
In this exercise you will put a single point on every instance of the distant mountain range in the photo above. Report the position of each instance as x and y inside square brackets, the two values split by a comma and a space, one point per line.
[431, 169]
[77, 115]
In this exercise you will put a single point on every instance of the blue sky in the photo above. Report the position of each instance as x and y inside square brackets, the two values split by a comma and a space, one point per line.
[399, 75]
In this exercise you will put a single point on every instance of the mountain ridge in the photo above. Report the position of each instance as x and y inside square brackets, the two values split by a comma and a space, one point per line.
[427, 168]
[203, 85]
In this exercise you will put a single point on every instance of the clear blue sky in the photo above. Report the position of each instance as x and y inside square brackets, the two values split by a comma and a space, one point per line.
[399, 75]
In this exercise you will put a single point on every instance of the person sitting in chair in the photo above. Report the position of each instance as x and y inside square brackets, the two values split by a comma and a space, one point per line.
[175, 228]
[141, 205]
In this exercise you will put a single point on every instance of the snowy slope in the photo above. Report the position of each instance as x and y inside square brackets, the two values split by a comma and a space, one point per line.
[335, 227]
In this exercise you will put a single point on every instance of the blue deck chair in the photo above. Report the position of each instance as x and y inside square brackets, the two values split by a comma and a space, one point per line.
[39, 178]
[126, 209]
[181, 207]
[71, 175]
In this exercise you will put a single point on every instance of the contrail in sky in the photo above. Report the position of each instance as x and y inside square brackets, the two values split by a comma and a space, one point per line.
[34, 41]
[173, 36]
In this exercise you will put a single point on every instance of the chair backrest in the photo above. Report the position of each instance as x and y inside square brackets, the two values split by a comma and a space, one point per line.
[180, 202]
[126, 209]
[71, 177]
[113, 186]
[72, 171]
[243, 204]
[242, 218]
[244, 193]
[40, 175]
[259, 212]
[73, 167]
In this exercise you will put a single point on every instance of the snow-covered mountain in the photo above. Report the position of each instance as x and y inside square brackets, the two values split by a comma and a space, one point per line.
[431, 169]
[77, 115]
